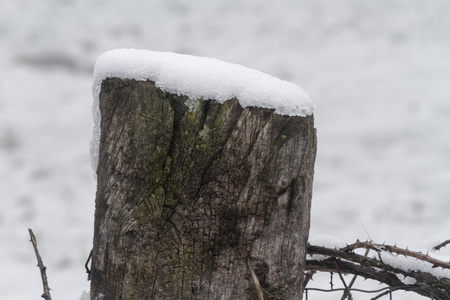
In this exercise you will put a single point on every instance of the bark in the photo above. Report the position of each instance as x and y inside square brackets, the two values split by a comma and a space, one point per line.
[193, 194]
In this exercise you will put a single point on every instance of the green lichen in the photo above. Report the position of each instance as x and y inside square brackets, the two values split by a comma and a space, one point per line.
[192, 104]
[204, 132]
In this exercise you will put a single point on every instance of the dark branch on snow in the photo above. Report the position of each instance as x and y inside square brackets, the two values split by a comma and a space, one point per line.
[42, 268]
[345, 261]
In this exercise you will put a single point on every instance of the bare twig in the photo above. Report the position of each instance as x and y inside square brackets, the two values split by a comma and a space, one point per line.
[347, 290]
[86, 265]
[42, 268]
[354, 277]
[256, 280]
[387, 292]
[308, 276]
[331, 280]
[443, 244]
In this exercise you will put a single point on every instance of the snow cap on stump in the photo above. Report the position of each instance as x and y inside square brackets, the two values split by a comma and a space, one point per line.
[197, 77]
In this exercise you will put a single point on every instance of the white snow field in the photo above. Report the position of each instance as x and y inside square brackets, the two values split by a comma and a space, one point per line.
[378, 72]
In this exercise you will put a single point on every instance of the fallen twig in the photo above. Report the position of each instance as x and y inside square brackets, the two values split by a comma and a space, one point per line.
[42, 268]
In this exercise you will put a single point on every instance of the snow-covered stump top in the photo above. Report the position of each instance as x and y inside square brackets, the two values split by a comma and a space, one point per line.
[197, 78]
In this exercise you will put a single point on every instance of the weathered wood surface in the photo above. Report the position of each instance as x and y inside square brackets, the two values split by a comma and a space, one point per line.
[192, 193]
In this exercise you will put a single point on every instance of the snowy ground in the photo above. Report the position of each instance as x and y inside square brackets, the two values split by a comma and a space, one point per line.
[379, 72]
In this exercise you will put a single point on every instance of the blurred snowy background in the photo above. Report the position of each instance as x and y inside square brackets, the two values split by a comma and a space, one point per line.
[379, 72]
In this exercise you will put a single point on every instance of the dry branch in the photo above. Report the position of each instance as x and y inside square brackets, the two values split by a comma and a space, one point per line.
[443, 244]
[42, 268]
[346, 261]
[353, 279]
[347, 290]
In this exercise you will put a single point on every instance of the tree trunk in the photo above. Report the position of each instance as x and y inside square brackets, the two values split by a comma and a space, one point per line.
[194, 197]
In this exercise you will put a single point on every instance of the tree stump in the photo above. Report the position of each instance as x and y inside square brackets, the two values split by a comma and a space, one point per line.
[197, 199]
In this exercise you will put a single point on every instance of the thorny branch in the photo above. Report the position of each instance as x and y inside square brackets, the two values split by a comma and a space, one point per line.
[394, 249]
[345, 261]
[42, 268]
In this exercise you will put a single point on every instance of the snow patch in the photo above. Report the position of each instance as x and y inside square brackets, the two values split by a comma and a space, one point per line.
[326, 241]
[412, 264]
[197, 77]
[85, 296]
[406, 279]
